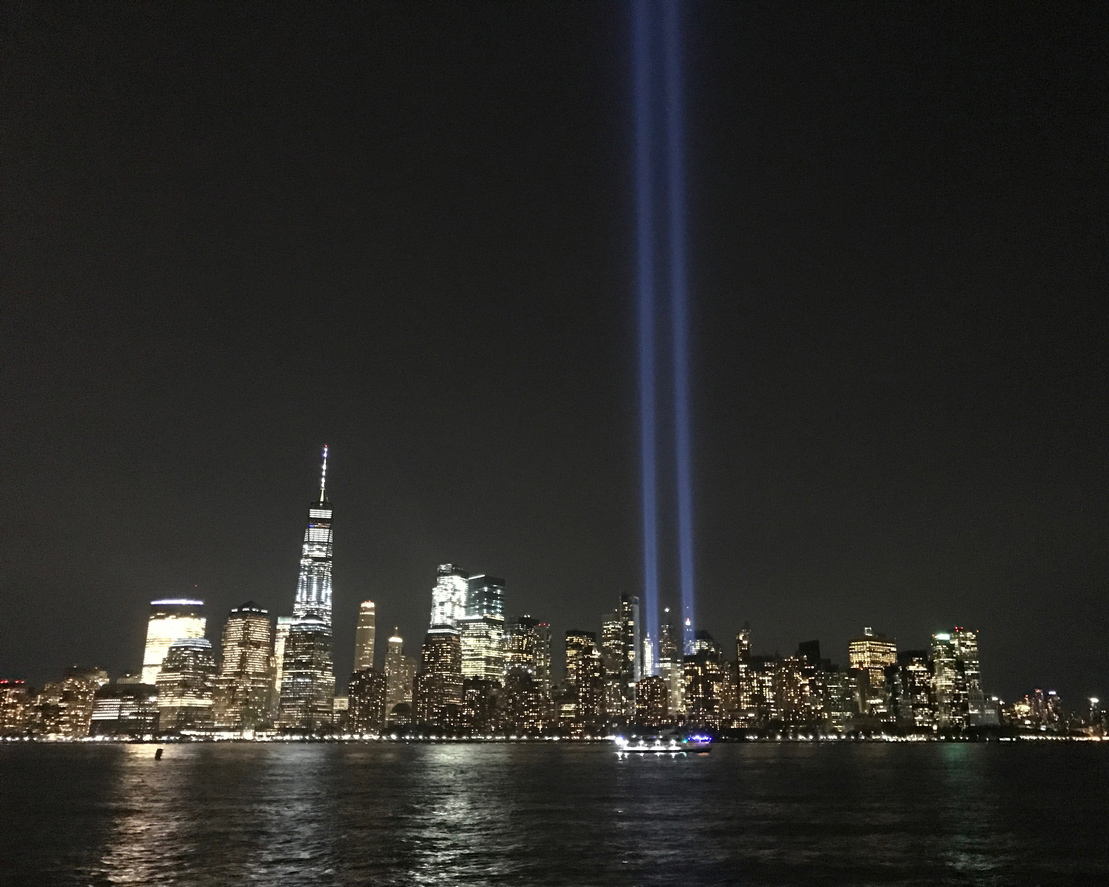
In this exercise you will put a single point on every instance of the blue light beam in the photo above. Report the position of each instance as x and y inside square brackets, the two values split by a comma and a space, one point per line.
[679, 312]
[648, 431]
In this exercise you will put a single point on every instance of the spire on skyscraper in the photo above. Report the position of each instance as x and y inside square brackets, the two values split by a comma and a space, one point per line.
[307, 678]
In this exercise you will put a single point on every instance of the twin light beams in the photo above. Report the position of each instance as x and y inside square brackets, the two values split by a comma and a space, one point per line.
[661, 246]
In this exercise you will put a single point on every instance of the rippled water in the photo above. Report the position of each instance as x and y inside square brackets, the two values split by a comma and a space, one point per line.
[553, 813]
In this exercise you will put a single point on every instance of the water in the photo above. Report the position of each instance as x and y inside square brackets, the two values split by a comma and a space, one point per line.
[553, 813]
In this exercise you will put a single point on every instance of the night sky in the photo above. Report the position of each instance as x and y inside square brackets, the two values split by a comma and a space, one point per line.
[232, 234]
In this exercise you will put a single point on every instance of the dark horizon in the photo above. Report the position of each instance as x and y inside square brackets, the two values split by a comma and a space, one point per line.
[232, 235]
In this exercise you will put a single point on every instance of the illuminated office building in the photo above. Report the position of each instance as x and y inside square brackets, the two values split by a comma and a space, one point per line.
[528, 648]
[612, 660]
[171, 620]
[956, 680]
[482, 629]
[364, 635]
[704, 683]
[871, 655]
[125, 711]
[482, 640]
[966, 647]
[308, 676]
[448, 598]
[400, 677]
[438, 691]
[911, 686]
[670, 667]
[186, 686]
[631, 652]
[244, 686]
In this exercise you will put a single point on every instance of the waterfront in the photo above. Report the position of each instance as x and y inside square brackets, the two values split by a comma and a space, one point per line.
[553, 813]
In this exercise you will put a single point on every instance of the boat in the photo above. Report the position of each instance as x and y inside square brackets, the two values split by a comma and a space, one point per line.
[663, 744]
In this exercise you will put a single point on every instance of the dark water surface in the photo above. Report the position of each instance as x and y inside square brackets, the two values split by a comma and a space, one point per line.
[554, 813]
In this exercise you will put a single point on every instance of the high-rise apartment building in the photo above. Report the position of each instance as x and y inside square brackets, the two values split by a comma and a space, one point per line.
[171, 619]
[245, 683]
[366, 702]
[482, 629]
[308, 675]
[400, 677]
[652, 702]
[364, 635]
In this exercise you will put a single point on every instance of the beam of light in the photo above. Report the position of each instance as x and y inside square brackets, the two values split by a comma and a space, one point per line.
[679, 311]
[644, 177]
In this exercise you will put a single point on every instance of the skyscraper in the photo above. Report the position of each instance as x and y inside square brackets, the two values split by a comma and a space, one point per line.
[583, 710]
[438, 691]
[528, 647]
[704, 683]
[245, 681]
[170, 620]
[308, 679]
[364, 636]
[186, 686]
[670, 666]
[612, 661]
[482, 629]
[872, 654]
[631, 630]
[956, 679]
[448, 598]
[400, 676]
[366, 702]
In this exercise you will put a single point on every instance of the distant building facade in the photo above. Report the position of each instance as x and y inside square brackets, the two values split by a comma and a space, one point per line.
[171, 619]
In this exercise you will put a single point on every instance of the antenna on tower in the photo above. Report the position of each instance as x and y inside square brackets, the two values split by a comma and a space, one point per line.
[323, 476]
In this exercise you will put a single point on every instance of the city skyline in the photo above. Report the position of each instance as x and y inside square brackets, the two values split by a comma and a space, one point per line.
[231, 234]
[458, 600]
[482, 675]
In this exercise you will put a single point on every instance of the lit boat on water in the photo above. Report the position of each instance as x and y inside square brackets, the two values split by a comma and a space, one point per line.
[663, 745]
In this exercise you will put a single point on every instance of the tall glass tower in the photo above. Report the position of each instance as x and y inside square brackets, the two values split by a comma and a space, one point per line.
[482, 629]
[308, 675]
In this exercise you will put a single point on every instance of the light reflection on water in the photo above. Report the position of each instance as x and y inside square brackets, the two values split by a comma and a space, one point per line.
[503, 814]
